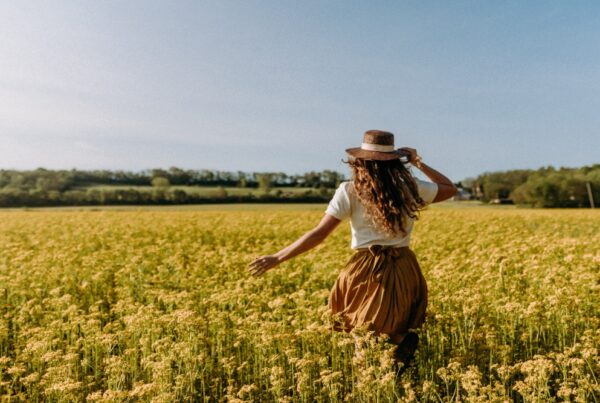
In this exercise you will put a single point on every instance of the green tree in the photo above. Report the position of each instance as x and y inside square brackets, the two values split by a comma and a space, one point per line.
[160, 182]
[265, 181]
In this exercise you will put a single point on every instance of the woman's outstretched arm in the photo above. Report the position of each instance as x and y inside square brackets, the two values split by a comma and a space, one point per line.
[306, 242]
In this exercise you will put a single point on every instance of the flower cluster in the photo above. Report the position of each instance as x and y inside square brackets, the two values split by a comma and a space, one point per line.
[157, 305]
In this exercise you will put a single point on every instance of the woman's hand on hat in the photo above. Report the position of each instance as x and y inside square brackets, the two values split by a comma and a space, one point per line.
[263, 263]
[413, 157]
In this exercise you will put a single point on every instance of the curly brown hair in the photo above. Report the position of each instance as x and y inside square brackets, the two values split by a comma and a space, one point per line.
[388, 191]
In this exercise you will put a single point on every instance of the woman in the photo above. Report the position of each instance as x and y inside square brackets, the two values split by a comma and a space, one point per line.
[381, 285]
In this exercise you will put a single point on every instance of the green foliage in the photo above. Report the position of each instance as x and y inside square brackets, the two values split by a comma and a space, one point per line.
[563, 188]
[500, 184]
[545, 187]
[265, 181]
[160, 182]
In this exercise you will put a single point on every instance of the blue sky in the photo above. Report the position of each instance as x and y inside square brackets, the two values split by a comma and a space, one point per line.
[287, 86]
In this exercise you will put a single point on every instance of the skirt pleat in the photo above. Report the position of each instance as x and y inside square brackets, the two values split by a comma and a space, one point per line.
[382, 287]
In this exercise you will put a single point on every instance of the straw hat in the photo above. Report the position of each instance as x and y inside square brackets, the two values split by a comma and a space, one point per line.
[377, 145]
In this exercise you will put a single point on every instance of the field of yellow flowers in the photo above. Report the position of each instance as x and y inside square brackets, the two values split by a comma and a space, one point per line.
[158, 305]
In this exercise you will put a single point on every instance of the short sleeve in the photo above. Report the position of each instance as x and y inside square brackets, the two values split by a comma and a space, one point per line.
[339, 206]
[427, 190]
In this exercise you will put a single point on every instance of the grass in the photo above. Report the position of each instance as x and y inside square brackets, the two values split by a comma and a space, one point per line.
[156, 304]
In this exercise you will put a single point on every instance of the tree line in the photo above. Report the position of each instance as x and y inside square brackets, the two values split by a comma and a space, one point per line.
[63, 179]
[43, 187]
[544, 187]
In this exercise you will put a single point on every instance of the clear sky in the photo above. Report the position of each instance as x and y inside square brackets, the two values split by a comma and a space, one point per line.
[287, 85]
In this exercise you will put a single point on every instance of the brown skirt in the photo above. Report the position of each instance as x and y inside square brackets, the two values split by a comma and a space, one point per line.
[382, 287]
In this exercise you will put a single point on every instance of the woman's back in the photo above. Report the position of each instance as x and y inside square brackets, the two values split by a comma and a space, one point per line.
[381, 285]
[346, 204]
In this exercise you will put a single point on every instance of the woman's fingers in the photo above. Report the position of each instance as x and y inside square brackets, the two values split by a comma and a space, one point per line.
[255, 270]
[412, 151]
[259, 265]
[256, 264]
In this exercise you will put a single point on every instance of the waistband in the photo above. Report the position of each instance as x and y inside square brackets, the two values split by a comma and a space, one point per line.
[383, 249]
[380, 255]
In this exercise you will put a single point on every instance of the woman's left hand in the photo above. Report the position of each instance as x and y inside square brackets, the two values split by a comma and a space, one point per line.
[413, 156]
[261, 264]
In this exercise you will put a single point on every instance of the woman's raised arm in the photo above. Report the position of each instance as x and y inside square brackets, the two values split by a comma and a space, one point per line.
[446, 188]
[306, 242]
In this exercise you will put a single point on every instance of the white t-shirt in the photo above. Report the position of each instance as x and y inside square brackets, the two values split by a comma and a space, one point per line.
[345, 204]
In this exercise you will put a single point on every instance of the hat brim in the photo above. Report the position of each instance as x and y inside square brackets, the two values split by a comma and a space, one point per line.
[358, 152]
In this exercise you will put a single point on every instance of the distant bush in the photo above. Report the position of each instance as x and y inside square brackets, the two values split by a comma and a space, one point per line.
[156, 195]
[160, 182]
[545, 187]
